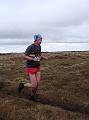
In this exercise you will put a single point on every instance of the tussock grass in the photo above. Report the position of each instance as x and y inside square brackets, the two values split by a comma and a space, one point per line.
[63, 92]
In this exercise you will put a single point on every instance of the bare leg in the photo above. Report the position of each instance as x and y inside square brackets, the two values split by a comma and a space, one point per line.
[28, 85]
[33, 83]
[38, 77]
[38, 80]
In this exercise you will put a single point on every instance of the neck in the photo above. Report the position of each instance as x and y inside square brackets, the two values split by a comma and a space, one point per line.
[36, 44]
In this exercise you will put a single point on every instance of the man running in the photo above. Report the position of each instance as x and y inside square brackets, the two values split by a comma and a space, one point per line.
[33, 57]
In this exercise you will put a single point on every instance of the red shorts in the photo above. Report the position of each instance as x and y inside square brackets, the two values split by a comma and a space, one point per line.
[32, 70]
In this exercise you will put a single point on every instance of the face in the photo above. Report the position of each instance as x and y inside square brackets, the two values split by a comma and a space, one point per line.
[39, 41]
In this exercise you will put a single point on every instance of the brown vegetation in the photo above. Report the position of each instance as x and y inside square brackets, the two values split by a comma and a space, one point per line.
[62, 95]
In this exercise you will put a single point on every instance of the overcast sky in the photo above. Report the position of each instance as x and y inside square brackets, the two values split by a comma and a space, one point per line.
[55, 20]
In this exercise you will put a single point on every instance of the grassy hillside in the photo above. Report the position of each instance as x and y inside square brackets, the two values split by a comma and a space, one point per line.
[63, 92]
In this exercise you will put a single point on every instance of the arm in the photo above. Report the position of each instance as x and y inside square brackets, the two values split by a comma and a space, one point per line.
[28, 57]
[32, 58]
[28, 52]
[44, 57]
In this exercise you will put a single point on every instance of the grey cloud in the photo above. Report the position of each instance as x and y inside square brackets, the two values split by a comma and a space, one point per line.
[57, 21]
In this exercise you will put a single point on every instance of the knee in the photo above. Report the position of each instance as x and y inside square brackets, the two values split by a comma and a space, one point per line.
[38, 80]
[34, 84]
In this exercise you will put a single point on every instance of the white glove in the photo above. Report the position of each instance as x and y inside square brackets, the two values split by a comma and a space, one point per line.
[36, 58]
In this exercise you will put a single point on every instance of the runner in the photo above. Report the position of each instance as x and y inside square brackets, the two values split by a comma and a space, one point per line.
[33, 57]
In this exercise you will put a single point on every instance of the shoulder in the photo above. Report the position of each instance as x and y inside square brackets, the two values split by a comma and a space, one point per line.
[29, 49]
[30, 46]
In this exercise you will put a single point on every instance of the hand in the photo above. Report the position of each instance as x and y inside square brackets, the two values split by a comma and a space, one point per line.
[44, 57]
[36, 58]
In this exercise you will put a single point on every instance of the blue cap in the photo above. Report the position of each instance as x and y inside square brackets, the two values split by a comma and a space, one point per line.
[37, 37]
